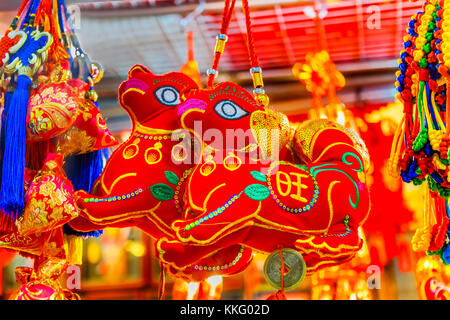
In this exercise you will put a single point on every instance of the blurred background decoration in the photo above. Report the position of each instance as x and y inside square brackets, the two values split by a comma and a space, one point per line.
[360, 40]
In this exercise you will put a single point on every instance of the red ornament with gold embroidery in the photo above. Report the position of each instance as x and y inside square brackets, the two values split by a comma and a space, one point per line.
[51, 111]
[245, 195]
[42, 284]
[127, 195]
[88, 133]
[50, 201]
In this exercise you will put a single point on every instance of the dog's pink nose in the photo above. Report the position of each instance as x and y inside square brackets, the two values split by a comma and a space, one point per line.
[190, 104]
[135, 84]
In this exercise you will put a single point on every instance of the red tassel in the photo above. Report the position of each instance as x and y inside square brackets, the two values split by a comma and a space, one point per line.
[6, 224]
[279, 295]
[36, 154]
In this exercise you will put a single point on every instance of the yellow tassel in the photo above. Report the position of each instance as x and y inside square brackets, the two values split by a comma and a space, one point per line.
[393, 167]
[435, 137]
[437, 162]
[74, 249]
[422, 237]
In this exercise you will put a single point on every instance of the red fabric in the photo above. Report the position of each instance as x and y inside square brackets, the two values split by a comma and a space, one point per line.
[49, 199]
[143, 173]
[87, 134]
[62, 111]
[52, 109]
[389, 215]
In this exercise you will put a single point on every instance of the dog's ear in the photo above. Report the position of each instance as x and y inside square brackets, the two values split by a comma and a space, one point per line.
[138, 69]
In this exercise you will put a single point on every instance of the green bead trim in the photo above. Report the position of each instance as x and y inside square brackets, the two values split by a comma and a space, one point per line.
[115, 198]
[340, 235]
[152, 137]
[213, 214]
[222, 267]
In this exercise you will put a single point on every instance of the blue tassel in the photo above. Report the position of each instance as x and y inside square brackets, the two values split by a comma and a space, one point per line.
[82, 170]
[8, 97]
[12, 189]
[94, 234]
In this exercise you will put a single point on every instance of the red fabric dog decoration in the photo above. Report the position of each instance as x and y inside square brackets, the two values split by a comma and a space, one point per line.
[238, 196]
[143, 181]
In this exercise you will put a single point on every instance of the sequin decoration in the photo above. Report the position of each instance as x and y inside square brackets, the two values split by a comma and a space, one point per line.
[213, 214]
[305, 208]
[222, 267]
[346, 233]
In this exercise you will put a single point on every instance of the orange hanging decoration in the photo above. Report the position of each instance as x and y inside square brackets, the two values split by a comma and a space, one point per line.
[190, 68]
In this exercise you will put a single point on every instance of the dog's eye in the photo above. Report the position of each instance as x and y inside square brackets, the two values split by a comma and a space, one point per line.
[229, 110]
[168, 96]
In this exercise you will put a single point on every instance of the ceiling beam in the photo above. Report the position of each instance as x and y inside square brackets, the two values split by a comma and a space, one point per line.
[149, 7]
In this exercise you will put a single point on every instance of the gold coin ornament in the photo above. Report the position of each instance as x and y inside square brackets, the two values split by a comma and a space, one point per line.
[294, 265]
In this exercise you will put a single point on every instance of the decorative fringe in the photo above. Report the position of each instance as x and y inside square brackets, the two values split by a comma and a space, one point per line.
[36, 154]
[445, 254]
[12, 189]
[91, 234]
[6, 222]
[83, 169]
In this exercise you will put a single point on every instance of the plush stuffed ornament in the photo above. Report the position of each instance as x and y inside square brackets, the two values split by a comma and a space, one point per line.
[49, 199]
[127, 195]
[240, 193]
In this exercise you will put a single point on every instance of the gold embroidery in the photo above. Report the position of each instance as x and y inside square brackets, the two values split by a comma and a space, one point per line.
[153, 155]
[262, 123]
[108, 191]
[208, 167]
[75, 141]
[131, 150]
[232, 162]
[287, 181]
[305, 133]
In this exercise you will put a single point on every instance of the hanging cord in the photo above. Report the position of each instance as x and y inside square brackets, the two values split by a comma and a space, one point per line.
[282, 271]
[280, 295]
[221, 40]
[162, 282]
[255, 70]
[17, 17]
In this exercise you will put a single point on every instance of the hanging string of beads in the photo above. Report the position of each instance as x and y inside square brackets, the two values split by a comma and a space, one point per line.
[221, 40]
[255, 70]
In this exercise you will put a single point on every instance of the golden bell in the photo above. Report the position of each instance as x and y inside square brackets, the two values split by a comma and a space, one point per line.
[263, 99]
[92, 95]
